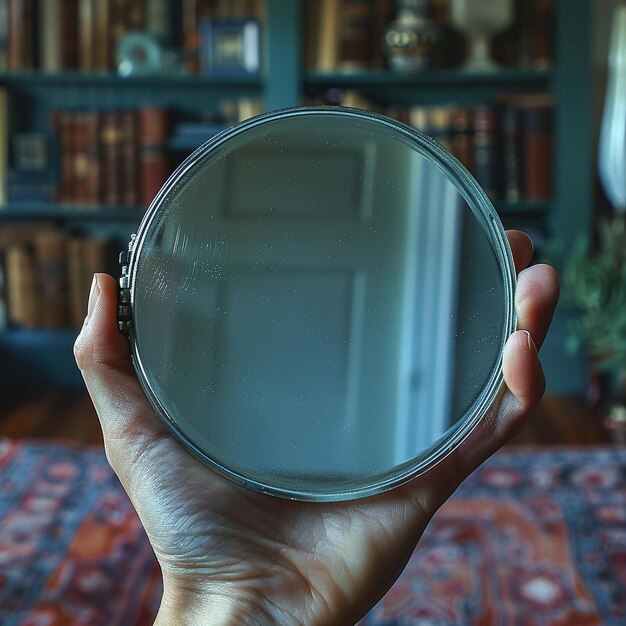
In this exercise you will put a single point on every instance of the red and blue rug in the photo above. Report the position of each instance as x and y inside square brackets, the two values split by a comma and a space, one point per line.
[533, 538]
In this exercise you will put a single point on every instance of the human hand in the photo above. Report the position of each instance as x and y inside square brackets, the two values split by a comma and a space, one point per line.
[232, 556]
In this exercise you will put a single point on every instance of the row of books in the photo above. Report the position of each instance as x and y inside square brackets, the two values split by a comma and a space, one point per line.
[111, 157]
[54, 35]
[507, 145]
[348, 35]
[46, 274]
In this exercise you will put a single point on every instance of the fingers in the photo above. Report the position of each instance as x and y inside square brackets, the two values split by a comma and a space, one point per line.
[536, 298]
[521, 248]
[102, 354]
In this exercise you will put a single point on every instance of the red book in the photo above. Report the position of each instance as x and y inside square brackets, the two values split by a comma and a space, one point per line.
[538, 145]
[129, 154]
[153, 161]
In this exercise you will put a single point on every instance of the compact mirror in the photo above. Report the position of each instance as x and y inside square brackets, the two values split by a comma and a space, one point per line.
[319, 301]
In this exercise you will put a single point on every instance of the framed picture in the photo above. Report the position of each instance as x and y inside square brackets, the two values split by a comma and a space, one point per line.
[230, 47]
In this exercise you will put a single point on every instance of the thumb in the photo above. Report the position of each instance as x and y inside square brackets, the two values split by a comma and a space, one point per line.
[129, 424]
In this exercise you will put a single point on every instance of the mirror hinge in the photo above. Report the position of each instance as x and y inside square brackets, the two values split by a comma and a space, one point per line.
[124, 310]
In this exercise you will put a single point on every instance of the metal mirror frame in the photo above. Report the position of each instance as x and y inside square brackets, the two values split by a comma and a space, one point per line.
[482, 209]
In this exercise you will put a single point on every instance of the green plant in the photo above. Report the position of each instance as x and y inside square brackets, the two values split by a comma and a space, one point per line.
[594, 285]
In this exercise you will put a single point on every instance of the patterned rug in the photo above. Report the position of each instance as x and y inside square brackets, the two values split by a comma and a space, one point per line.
[533, 538]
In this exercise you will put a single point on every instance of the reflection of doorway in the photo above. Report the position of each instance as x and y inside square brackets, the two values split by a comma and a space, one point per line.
[430, 305]
[321, 323]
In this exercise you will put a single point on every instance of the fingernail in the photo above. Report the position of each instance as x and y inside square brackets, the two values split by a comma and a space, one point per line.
[94, 294]
[531, 343]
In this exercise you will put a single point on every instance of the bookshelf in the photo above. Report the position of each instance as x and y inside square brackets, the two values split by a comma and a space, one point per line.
[44, 357]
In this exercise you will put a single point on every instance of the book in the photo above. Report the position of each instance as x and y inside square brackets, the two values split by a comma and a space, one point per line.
[485, 149]
[356, 31]
[93, 154]
[69, 18]
[542, 33]
[153, 160]
[20, 43]
[85, 257]
[512, 152]
[86, 27]
[129, 158]
[327, 44]
[111, 151]
[102, 52]
[21, 287]
[4, 33]
[538, 148]
[50, 263]
[462, 140]
[5, 126]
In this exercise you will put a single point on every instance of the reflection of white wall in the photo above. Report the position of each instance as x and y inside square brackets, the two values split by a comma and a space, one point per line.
[301, 338]
[431, 278]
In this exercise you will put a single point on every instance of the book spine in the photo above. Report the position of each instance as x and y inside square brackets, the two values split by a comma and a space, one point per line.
[440, 125]
[4, 144]
[153, 160]
[328, 52]
[69, 34]
[77, 300]
[102, 44]
[86, 24]
[355, 34]
[50, 35]
[80, 159]
[191, 40]
[16, 36]
[382, 18]
[538, 152]
[462, 143]
[542, 33]
[512, 144]
[129, 159]
[63, 122]
[157, 21]
[4, 33]
[22, 301]
[485, 150]
[110, 139]
[91, 129]
[50, 255]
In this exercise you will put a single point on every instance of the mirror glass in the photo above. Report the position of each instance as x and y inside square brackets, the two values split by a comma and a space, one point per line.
[320, 301]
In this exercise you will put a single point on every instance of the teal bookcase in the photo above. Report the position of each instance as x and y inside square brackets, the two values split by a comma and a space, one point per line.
[44, 358]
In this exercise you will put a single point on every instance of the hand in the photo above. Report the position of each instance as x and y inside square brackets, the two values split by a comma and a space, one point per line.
[232, 556]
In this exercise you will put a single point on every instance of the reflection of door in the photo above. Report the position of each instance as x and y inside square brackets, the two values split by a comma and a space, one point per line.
[319, 308]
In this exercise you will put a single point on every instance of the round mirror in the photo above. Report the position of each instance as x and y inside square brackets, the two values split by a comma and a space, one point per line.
[320, 299]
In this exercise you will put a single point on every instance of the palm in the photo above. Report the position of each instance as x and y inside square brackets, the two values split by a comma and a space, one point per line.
[324, 557]
[288, 562]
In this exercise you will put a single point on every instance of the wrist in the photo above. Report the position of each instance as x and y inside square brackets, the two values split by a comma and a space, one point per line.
[199, 605]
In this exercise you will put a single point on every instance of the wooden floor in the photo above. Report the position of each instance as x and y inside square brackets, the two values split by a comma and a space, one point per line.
[71, 417]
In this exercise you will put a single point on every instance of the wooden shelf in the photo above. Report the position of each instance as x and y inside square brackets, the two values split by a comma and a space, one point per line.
[111, 80]
[450, 79]
[20, 211]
